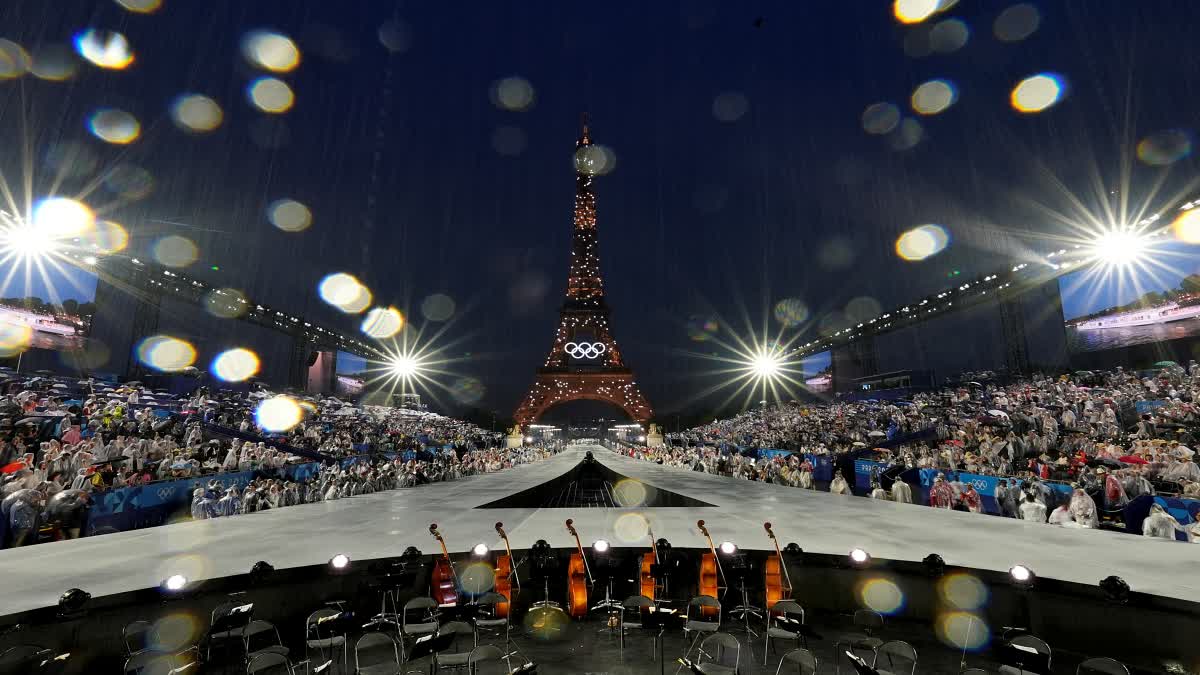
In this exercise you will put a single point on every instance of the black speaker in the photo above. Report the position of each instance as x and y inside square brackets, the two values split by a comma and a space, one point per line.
[312, 358]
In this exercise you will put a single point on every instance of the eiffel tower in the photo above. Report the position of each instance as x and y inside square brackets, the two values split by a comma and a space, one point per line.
[584, 362]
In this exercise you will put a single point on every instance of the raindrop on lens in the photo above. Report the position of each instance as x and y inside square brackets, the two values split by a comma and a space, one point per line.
[114, 126]
[175, 251]
[514, 94]
[289, 215]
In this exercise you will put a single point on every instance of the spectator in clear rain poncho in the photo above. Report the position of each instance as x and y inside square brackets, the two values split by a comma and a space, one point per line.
[971, 499]
[1114, 492]
[838, 485]
[877, 492]
[901, 492]
[202, 506]
[941, 493]
[23, 513]
[1083, 508]
[804, 477]
[1032, 509]
[1161, 524]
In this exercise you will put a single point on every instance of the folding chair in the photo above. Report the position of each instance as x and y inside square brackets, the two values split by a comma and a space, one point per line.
[144, 662]
[456, 659]
[1028, 642]
[896, 651]
[699, 626]
[316, 637]
[231, 635]
[786, 609]
[428, 625]
[270, 662]
[257, 638]
[636, 604]
[487, 621]
[135, 635]
[376, 654]
[869, 623]
[806, 663]
[719, 662]
[1102, 665]
[484, 654]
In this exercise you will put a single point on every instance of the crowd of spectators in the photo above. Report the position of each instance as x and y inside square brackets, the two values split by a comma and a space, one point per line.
[62, 442]
[1083, 430]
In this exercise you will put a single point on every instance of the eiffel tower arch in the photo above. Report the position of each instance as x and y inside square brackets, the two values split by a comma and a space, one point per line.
[584, 362]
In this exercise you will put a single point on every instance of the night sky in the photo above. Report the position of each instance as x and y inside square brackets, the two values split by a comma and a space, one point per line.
[743, 172]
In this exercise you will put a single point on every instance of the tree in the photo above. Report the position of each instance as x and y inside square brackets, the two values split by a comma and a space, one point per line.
[70, 307]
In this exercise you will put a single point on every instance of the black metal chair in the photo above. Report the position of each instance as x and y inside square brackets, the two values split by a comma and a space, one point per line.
[806, 663]
[787, 609]
[1102, 665]
[377, 653]
[717, 648]
[869, 623]
[896, 652]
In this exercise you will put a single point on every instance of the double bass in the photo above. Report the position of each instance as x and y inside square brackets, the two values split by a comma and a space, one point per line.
[710, 567]
[579, 577]
[648, 560]
[443, 582]
[778, 585]
[506, 574]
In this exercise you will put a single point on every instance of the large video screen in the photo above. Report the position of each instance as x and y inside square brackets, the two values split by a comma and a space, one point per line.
[818, 372]
[1140, 304]
[56, 301]
[350, 375]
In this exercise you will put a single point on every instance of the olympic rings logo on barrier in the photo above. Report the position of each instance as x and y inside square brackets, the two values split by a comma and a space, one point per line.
[585, 350]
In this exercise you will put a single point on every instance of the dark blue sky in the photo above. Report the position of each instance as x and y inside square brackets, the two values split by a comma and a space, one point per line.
[1086, 292]
[394, 154]
[57, 283]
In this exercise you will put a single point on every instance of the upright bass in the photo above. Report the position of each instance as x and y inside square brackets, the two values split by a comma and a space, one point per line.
[443, 582]
[710, 567]
[778, 585]
[506, 575]
[579, 577]
[648, 561]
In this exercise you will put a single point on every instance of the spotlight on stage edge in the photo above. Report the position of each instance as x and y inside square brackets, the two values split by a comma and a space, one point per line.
[859, 558]
[1022, 575]
[340, 561]
[174, 583]
[728, 547]
[600, 545]
[480, 549]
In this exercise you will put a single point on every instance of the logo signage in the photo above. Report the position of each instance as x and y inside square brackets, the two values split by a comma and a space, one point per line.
[585, 350]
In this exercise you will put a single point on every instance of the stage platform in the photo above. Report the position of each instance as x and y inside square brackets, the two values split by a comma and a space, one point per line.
[384, 524]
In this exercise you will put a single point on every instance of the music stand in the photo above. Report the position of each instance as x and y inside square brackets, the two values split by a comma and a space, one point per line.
[740, 565]
[1024, 659]
[860, 664]
[236, 619]
[430, 644]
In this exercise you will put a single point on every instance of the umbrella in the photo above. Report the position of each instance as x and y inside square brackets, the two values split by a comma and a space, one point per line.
[29, 421]
[13, 468]
[26, 495]
[180, 465]
[998, 413]
[1165, 364]
[1132, 459]
[1104, 461]
[877, 434]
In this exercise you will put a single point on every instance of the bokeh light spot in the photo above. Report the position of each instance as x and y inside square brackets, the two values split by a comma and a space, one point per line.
[508, 141]
[629, 493]
[791, 312]
[880, 118]
[71, 159]
[933, 97]
[438, 307]
[114, 126]
[907, 135]
[14, 60]
[289, 215]
[922, 242]
[383, 322]
[106, 237]
[129, 182]
[477, 578]
[175, 632]
[226, 303]
[53, 63]
[881, 595]
[175, 251]
[949, 36]
[345, 292]
[701, 328]
[105, 49]
[235, 365]
[1165, 147]
[836, 253]
[862, 309]
[15, 338]
[914, 11]
[278, 413]
[196, 113]
[963, 630]
[141, 6]
[1186, 227]
[467, 390]
[514, 94]
[1016, 23]
[1038, 92]
[595, 160]
[271, 95]
[61, 217]
[270, 51]
[730, 106]
[166, 353]
[632, 528]
[963, 591]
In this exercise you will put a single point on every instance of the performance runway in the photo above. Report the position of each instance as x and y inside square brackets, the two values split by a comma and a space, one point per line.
[383, 524]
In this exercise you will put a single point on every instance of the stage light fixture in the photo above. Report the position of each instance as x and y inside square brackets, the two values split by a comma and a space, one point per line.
[1115, 589]
[766, 364]
[600, 546]
[529, 439]
[340, 561]
[935, 566]
[73, 600]
[1022, 575]
[728, 547]
[481, 549]
[260, 571]
[859, 558]
[174, 583]
[1119, 247]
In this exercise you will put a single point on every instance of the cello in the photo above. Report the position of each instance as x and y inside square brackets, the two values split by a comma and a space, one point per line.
[648, 560]
[778, 586]
[443, 582]
[710, 566]
[506, 574]
[579, 577]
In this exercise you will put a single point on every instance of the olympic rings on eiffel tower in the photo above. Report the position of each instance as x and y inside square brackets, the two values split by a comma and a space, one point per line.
[585, 350]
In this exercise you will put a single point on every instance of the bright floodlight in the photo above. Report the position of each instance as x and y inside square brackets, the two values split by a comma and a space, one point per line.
[29, 242]
[859, 556]
[529, 439]
[480, 549]
[403, 366]
[600, 546]
[1020, 573]
[766, 364]
[1119, 248]
[340, 561]
[175, 582]
[728, 547]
